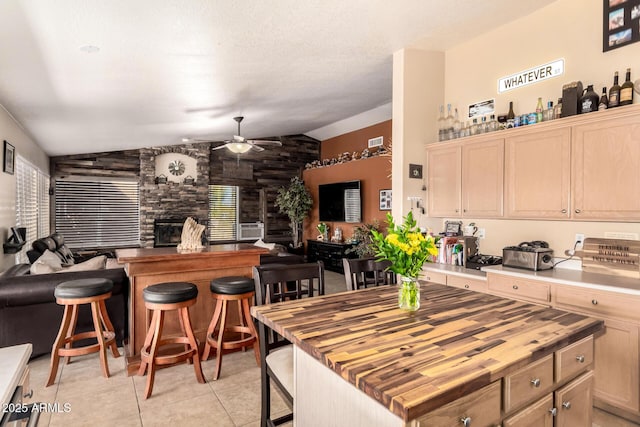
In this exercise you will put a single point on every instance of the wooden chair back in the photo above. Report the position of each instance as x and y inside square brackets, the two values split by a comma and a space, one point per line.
[286, 282]
[362, 273]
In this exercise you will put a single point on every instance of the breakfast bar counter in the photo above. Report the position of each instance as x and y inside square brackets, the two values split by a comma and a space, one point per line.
[150, 266]
[359, 360]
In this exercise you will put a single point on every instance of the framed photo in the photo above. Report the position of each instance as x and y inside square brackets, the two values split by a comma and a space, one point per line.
[385, 200]
[415, 171]
[9, 158]
[620, 23]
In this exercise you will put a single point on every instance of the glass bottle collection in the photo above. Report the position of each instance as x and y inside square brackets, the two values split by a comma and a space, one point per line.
[451, 127]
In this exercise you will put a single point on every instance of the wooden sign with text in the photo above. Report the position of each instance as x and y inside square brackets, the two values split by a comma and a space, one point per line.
[611, 256]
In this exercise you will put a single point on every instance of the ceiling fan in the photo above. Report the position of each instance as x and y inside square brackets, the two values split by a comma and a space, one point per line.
[240, 145]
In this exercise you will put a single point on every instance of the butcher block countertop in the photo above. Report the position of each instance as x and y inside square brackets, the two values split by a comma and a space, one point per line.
[412, 363]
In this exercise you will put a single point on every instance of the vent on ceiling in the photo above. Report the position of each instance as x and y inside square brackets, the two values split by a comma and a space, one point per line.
[376, 142]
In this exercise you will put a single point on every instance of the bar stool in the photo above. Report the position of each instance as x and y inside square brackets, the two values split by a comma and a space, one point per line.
[161, 298]
[223, 290]
[72, 294]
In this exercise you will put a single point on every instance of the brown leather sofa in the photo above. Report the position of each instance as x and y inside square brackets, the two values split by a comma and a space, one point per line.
[29, 313]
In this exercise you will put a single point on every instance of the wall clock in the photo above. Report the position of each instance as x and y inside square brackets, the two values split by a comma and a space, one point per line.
[176, 167]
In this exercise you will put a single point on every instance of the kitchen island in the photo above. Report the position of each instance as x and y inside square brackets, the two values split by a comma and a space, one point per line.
[462, 357]
[150, 266]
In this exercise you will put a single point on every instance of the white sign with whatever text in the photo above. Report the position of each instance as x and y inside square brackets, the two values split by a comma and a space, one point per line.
[532, 75]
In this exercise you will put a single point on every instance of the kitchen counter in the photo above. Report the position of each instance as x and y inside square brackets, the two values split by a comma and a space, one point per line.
[14, 363]
[455, 270]
[580, 278]
[413, 363]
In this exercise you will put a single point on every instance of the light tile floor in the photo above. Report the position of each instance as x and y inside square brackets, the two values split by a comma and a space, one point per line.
[177, 399]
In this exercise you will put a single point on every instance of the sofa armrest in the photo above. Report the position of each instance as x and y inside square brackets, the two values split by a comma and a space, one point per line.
[38, 289]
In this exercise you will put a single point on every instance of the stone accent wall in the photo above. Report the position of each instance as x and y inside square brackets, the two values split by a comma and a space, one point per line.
[172, 200]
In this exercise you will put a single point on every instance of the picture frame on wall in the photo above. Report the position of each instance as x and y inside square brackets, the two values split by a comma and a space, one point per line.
[385, 200]
[9, 158]
[415, 171]
[620, 23]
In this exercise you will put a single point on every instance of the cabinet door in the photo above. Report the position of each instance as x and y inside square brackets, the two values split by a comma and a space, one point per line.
[467, 283]
[537, 173]
[482, 178]
[574, 402]
[444, 180]
[606, 170]
[538, 414]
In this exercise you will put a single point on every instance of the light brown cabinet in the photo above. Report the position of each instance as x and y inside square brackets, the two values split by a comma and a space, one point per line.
[606, 169]
[518, 288]
[466, 180]
[467, 283]
[573, 402]
[539, 414]
[537, 174]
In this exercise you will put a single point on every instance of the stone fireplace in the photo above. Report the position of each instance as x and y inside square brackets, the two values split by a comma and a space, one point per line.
[168, 232]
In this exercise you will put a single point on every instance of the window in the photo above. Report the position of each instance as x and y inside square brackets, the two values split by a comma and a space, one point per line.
[223, 212]
[32, 203]
[96, 213]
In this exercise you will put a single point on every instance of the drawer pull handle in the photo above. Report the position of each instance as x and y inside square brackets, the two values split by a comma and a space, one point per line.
[577, 211]
[580, 358]
[428, 278]
[466, 286]
[594, 301]
[28, 395]
[515, 287]
[553, 411]
[466, 421]
[535, 382]
[566, 405]
[563, 211]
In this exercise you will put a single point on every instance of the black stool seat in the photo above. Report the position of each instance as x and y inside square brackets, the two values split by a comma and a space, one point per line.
[170, 293]
[83, 288]
[232, 285]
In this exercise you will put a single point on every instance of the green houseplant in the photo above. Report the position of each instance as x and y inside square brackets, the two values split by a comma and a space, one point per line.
[295, 201]
[362, 235]
[407, 249]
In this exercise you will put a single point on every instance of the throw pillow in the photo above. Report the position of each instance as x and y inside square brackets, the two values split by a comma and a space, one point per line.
[95, 263]
[48, 262]
[262, 244]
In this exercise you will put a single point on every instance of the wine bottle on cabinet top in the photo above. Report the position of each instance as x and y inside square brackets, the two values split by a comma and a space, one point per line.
[557, 110]
[614, 92]
[604, 100]
[626, 90]
[539, 110]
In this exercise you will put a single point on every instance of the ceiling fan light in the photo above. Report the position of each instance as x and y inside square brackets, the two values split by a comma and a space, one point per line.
[238, 147]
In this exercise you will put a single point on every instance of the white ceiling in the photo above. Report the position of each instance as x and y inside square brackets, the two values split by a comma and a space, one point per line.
[169, 69]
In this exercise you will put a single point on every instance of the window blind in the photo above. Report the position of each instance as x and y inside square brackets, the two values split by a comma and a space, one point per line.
[95, 213]
[223, 212]
[32, 203]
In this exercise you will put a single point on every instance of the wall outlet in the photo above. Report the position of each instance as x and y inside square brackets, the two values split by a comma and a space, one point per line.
[578, 242]
[480, 233]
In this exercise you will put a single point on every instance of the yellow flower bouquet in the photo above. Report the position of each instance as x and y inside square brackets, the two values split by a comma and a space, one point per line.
[407, 249]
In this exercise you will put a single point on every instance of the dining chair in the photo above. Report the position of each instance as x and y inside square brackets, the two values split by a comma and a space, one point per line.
[280, 283]
[367, 272]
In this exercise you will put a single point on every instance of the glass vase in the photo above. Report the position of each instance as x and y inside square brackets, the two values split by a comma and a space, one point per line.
[409, 294]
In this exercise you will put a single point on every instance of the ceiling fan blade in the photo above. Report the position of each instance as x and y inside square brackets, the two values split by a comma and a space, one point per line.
[219, 147]
[256, 147]
[238, 138]
[265, 142]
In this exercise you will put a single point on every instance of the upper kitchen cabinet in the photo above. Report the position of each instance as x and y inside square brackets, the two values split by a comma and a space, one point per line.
[444, 165]
[537, 174]
[466, 179]
[606, 169]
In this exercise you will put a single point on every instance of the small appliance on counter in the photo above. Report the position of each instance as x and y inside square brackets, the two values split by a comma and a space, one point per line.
[534, 255]
[478, 261]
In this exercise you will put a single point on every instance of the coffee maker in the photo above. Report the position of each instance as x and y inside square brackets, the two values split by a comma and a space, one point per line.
[469, 247]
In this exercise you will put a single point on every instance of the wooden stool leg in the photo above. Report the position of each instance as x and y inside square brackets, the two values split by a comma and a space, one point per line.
[154, 351]
[95, 312]
[71, 330]
[252, 328]
[219, 340]
[184, 314]
[57, 345]
[104, 317]
[187, 347]
[211, 329]
[147, 343]
[241, 320]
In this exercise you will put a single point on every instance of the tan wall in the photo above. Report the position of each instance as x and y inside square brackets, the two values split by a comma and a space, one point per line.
[569, 29]
[373, 175]
[355, 141]
[27, 148]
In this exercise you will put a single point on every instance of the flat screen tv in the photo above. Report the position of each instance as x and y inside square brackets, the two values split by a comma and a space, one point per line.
[340, 202]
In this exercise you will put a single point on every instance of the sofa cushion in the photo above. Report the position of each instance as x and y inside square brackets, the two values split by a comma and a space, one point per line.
[48, 262]
[46, 243]
[96, 263]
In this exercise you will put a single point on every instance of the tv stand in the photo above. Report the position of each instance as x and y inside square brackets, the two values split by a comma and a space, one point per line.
[330, 253]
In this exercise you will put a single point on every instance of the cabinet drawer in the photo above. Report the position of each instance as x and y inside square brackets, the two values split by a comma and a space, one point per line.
[466, 283]
[434, 277]
[538, 414]
[482, 407]
[522, 289]
[574, 359]
[528, 383]
[596, 302]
